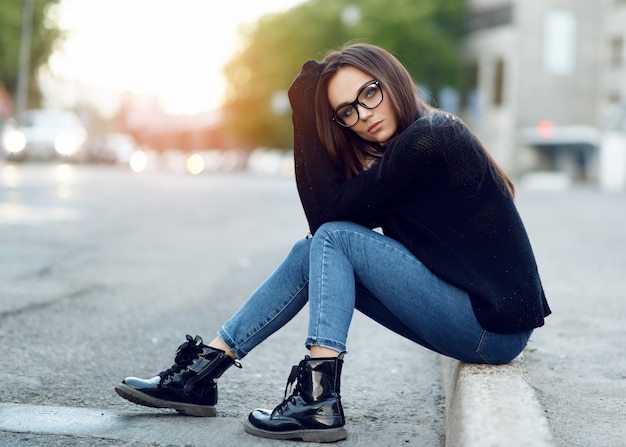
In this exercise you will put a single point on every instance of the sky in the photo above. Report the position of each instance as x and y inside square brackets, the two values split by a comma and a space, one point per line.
[169, 48]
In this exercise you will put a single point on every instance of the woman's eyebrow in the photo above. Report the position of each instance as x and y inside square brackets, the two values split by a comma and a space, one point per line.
[357, 95]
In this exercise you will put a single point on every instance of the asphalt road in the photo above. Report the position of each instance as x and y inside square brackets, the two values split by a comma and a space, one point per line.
[103, 272]
[577, 362]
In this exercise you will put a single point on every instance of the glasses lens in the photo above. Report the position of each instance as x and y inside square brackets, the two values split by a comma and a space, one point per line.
[370, 97]
[347, 115]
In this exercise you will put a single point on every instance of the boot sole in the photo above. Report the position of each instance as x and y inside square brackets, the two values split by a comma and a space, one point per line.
[137, 397]
[323, 435]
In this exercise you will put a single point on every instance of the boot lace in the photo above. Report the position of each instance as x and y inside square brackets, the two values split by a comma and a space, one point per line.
[290, 391]
[185, 355]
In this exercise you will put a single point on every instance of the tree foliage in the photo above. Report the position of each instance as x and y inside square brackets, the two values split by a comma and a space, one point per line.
[423, 34]
[45, 35]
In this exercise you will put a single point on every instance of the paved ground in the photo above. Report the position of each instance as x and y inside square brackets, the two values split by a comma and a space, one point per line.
[103, 272]
[97, 281]
[577, 362]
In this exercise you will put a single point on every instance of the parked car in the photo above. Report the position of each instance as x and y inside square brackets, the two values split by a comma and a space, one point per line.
[45, 134]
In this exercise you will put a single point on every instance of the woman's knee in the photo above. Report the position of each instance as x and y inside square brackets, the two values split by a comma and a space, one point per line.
[327, 228]
[300, 251]
[333, 229]
[333, 233]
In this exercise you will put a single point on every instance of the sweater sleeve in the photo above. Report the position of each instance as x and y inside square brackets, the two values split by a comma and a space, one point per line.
[312, 161]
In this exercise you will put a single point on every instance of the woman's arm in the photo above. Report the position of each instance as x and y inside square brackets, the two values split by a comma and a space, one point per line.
[325, 193]
[313, 166]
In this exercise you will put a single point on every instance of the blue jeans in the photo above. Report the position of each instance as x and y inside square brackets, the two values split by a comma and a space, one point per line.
[345, 266]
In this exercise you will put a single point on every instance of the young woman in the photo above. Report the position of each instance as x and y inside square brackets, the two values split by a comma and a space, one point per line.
[451, 267]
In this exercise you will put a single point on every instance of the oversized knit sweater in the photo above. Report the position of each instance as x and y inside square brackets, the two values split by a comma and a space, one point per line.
[433, 192]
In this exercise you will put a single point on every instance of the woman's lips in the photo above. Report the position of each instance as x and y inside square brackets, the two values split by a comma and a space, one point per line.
[374, 127]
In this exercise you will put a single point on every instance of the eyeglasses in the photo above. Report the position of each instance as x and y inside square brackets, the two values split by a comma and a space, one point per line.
[370, 96]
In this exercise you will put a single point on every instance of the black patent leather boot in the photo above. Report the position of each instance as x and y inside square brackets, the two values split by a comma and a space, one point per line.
[313, 412]
[188, 387]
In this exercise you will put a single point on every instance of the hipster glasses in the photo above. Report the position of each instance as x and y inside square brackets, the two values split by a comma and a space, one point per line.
[370, 96]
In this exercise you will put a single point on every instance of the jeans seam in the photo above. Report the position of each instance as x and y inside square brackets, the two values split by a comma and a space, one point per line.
[318, 316]
[317, 341]
[479, 348]
[523, 338]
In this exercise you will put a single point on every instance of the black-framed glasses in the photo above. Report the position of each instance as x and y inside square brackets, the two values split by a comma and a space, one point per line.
[370, 96]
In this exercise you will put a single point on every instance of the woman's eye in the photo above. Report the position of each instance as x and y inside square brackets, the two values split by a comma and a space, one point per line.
[346, 112]
[371, 91]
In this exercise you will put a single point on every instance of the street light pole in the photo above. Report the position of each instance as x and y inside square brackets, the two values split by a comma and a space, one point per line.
[24, 63]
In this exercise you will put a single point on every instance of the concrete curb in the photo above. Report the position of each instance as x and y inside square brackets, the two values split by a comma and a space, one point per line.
[490, 405]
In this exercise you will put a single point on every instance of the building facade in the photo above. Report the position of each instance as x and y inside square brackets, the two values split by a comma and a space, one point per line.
[546, 79]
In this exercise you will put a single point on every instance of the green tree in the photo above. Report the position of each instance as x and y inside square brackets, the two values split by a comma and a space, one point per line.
[423, 34]
[45, 35]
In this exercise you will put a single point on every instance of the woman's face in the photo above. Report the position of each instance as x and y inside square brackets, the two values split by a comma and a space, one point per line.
[375, 125]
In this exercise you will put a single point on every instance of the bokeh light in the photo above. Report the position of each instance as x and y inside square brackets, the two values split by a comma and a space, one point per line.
[138, 161]
[195, 164]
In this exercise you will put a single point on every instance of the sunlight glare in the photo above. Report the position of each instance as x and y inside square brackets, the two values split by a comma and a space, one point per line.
[173, 50]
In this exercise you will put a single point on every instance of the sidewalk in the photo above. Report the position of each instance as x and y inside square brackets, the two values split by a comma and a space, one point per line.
[569, 389]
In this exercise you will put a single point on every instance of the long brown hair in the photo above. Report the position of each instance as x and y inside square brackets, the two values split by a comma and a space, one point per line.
[348, 151]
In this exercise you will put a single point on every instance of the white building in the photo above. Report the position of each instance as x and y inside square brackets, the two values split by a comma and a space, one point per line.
[546, 80]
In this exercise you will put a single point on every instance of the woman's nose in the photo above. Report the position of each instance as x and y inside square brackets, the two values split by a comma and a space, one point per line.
[364, 112]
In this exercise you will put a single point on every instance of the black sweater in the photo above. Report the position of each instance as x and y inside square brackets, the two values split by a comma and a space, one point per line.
[432, 191]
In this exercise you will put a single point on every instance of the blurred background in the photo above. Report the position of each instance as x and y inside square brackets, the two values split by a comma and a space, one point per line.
[203, 85]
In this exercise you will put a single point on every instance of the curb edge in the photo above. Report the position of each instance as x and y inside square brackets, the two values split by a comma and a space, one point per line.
[492, 405]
